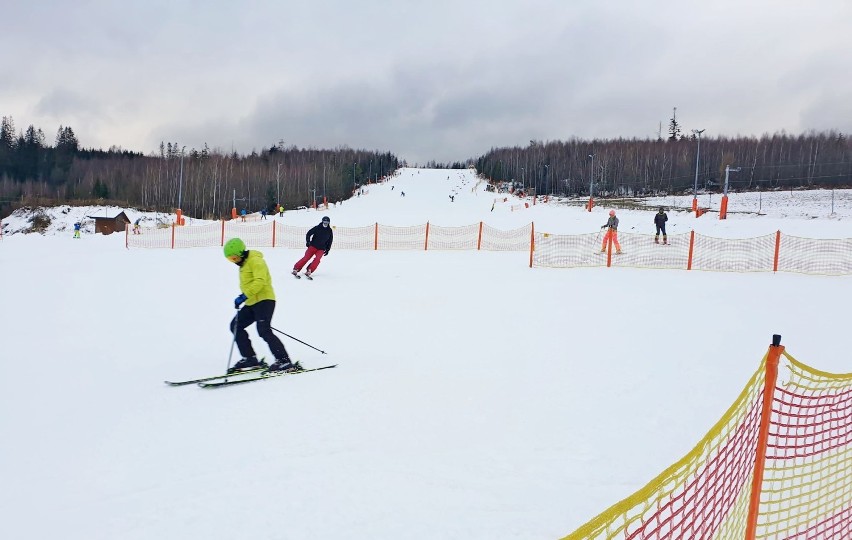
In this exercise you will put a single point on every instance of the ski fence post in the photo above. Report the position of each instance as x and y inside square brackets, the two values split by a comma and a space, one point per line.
[770, 380]
[691, 245]
[777, 250]
[532, 242]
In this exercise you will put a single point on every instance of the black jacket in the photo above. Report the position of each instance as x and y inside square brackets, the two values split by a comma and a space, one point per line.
[660, 219]
[320, 237]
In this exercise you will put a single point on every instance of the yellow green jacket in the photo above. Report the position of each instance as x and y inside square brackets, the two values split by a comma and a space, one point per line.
[255, 281]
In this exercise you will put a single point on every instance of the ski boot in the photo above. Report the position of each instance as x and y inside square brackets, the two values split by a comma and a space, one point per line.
[248, 363]
[657, 239]
[665, 240]
[308, 274]
[284, 366]
[296, 274]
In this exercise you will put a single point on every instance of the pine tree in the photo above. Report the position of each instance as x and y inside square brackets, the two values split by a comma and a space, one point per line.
[674, 127]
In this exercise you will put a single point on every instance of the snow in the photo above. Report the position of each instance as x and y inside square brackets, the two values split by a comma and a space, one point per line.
[474, 398]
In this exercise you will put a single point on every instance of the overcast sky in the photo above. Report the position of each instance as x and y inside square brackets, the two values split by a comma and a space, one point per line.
[438, 80]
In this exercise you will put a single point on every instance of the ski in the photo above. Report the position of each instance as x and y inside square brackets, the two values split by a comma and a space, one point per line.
[310, 277]
[261, 377]
[296, 275]
[214, 377]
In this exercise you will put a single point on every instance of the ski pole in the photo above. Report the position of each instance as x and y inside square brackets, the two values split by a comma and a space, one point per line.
[230, 354]
[296, 339]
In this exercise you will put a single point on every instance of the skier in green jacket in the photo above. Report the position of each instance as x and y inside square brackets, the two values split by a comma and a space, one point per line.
[259, 299]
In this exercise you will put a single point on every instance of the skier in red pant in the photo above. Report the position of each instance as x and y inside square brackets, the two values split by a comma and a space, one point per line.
[318, 241]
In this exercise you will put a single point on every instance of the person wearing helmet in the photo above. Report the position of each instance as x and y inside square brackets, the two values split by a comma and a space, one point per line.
[611, 227]
[318, 240]
[660, 219]
[258, 304]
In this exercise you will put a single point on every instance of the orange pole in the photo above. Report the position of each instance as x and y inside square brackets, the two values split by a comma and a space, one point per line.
[723, 209]
[608, 249]
[591, 203]
[532, 242]
[273, 233]
[772, 358]
[479, 240]
[691, 245]
[173, 235]
[223, 234]
[694, 204]
[777, 250]
[376, 241]
[426, 245]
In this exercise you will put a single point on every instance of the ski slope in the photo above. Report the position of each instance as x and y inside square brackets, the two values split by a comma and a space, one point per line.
[474, 398]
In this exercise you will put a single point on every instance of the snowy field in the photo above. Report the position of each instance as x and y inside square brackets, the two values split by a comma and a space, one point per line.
[475, 398]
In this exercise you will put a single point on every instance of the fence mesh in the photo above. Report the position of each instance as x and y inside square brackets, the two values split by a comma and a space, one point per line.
[683, 251]
[815, 255]
[465, 237]
[806, 491]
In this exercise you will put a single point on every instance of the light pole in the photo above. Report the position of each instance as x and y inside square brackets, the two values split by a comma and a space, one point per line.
[723, 209]
[180, 189]
[698, 132]
[524, 181]
[278, 185]
[591, 183]
[354, 186]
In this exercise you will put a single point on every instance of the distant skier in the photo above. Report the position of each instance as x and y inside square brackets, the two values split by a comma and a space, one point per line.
[280, 210]
[318, 240]
[77, 230]
[259, 299]
[660, 219]
[243, 214]
[263, 213]
[136, 227]
[611, 227]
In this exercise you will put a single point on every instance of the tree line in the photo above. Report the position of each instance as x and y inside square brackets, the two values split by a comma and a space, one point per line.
[204, 183]
[675, 165]
[207, 183]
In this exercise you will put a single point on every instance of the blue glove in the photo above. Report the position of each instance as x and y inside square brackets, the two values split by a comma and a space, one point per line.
[238, 301]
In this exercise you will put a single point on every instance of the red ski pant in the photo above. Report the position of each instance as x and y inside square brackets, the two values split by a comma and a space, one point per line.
[614, 235]
[316, 253]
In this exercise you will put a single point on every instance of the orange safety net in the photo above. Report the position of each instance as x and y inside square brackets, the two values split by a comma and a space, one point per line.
[413, 237]
[465, 237]
[815, 255]
[512, 240]
[734, 254]
[806, 487]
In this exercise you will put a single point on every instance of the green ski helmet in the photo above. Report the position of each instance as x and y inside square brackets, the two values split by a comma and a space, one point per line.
[234, 246]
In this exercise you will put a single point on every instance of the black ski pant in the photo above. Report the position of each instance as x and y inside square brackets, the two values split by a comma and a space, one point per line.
[661, 228]
[261, 313]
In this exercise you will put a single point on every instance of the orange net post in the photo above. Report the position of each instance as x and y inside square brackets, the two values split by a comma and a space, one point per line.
[694, 204]
[777, 249]
[178, 218]
[376, 240]
[769, 381]
[273, 233]
[173, 235]
[608, 249]
[233, 213]
[532, 242]
[723, 208]
[691, 248]
[222, 238]
[479, 239]
[590, 204]
[426, 243]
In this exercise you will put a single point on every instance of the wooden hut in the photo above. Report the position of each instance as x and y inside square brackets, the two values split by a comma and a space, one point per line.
[109, 225]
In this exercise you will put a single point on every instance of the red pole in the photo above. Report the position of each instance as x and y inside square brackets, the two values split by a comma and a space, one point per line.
[479, 240]
[771, 378]
[273, 233]
[173, 235]
[223, 233]
[376, 241]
